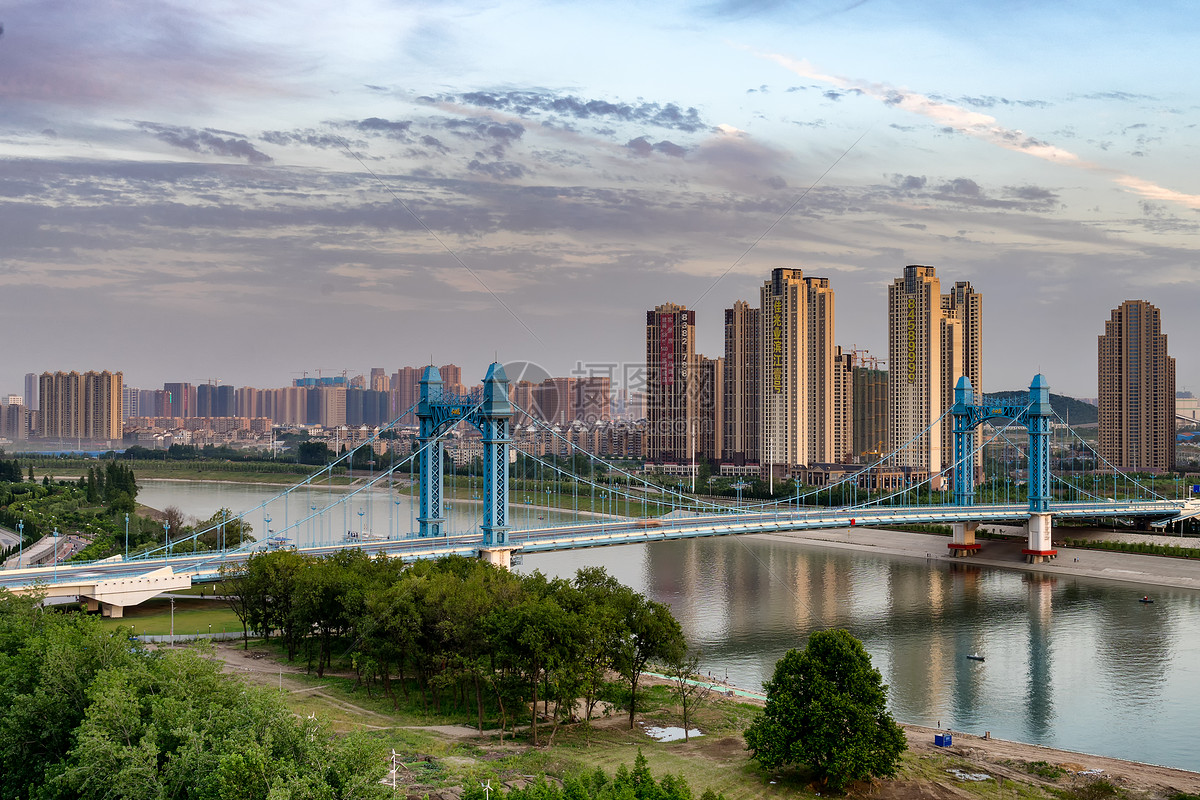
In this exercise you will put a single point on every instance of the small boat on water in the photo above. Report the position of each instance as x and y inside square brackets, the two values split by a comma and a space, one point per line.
[975, 656]
[1145, 599]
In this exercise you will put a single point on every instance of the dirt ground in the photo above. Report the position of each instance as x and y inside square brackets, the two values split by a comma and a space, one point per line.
[989, 755]
[996, 757]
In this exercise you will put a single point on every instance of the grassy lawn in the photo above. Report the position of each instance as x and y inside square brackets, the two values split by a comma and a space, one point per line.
[191, 616]
[247, 476]
[195, 471]
[716, 760]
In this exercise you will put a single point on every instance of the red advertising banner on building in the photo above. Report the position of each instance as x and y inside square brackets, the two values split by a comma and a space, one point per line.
[666, 349]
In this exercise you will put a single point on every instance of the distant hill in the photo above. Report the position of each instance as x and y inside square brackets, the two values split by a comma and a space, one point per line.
[1076, 411]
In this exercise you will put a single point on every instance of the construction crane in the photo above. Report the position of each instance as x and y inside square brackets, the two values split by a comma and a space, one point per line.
[877, 452]
[874, 451]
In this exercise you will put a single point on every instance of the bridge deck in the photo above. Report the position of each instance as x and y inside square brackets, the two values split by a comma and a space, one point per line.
[206, 566]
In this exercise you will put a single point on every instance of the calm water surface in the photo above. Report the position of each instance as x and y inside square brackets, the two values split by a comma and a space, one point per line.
[1070, 662]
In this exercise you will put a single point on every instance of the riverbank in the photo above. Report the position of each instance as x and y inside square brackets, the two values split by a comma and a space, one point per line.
[1006, 554]
[717, 759]
[978, 753]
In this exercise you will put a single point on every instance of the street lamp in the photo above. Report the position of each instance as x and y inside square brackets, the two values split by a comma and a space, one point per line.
[360, 523]
[167, 535]
[21, 554]
[127, 537]
[737, 487]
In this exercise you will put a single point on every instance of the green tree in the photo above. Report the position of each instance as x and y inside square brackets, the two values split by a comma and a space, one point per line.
[689, 688]
[224, 529]
[598, 632]
[648, 631]
[10, 471]
[313, 453]
[827, 709]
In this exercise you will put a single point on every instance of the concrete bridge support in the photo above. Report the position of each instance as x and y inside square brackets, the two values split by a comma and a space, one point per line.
[964, 543]
[105, 609]
[499, 556]
[1041, 542]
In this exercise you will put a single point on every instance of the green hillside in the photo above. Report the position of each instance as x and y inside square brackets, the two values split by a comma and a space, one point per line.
[1076, 411]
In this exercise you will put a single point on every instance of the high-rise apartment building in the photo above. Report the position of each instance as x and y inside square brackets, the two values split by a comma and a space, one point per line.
[214, 400]
[870, 414]
[964, 356]
[151, 402]
[246, 402]
[179, 400]
[710, 405]
[1137, 390]
[933, 340]
[286, 406]
[76, 406]
[14, 422]
[406, 392]
[379, 380]
[206, 399]
[31, 391]
[554, 400]
[367, 407]
[843, 406]
[671, 385]
[225, 402]
[798, 419]
[742, 389]
[451, 379]
[331, 411]
[520, 394]
[130, 405]
[593, 399]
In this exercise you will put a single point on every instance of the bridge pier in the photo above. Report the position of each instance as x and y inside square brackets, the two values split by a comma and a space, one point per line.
[105, 609]
[499, 556]
[963, 544]
[1041, 543]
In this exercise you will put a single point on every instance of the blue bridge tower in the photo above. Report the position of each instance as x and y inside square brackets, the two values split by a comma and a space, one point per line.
[1034, 415]
[491, 413]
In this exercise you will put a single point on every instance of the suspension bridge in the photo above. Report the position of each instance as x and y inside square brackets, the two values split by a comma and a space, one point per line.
[585, 501]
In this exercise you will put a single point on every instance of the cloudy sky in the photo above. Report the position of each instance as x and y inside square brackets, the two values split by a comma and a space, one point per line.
[247, 191]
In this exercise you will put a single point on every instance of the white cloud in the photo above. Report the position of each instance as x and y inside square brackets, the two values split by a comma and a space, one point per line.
[984, 127]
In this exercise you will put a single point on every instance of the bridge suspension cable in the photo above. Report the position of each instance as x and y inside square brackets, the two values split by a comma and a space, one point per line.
[325, 471]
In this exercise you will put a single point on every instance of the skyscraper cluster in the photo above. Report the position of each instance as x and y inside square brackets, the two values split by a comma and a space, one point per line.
[784, 395]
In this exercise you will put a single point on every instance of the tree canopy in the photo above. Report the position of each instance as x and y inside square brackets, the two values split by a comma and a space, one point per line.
[84, 713]
[462, 630]
[827, 710]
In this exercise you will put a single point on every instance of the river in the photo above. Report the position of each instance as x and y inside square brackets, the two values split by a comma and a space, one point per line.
[1070, 662]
